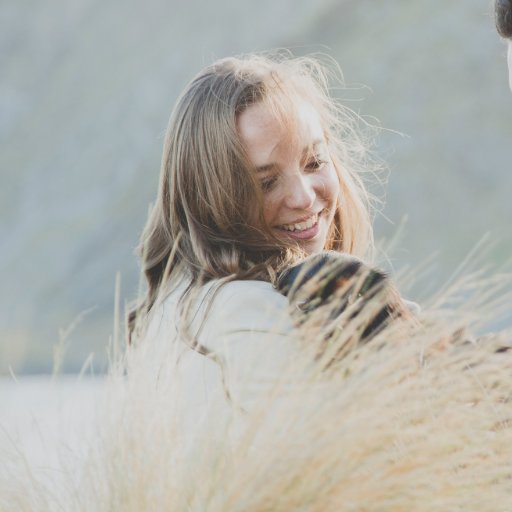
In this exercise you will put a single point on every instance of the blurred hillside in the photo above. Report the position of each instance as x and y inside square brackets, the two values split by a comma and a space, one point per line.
[86, 90]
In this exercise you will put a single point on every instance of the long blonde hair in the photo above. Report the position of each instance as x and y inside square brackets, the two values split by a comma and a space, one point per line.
[199, 223]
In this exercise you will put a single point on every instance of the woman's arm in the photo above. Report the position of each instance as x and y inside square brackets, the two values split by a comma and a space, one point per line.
[249, 333]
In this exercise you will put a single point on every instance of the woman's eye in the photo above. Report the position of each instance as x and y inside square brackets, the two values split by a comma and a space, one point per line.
[268, 183]
[315, 163]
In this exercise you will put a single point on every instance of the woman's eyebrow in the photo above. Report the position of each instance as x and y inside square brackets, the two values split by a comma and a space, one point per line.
[266, 167]
[310, 147]
[305, 153]
[313, 145]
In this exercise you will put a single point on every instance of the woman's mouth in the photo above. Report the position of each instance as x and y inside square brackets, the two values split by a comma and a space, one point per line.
[305, 229]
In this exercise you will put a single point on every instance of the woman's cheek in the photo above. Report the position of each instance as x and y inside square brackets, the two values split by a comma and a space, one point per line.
[270, 209]
[330, 183]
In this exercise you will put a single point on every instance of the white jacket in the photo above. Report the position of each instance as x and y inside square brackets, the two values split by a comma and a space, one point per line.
[246, 328]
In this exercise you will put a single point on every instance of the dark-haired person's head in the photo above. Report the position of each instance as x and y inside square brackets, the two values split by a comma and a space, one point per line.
[503, 17]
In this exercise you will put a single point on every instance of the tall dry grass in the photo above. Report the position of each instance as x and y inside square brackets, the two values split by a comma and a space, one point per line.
[417, 419]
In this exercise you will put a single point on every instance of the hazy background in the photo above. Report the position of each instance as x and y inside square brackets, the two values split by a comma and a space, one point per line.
[86, 89]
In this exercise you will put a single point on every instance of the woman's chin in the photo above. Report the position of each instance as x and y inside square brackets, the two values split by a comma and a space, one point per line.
[312, 246]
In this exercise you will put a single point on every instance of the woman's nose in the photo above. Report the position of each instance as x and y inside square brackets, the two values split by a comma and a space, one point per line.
[300, 193]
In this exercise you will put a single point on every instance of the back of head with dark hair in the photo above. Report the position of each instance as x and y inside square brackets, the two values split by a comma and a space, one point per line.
[503, 17]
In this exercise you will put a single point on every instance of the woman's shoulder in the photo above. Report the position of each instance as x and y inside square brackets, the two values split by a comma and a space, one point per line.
[222, 291]
[221, 308]
[243, 305]
[242, 327]
[241, 292]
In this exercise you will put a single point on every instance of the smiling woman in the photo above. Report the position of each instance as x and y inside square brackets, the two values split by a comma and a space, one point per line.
[260, 168]
[300, 185]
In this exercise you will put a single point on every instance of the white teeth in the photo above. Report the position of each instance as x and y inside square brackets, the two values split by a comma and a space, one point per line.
[301, 226]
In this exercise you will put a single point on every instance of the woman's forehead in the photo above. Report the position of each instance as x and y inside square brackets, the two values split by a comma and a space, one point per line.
[263, 128]
[306, 121]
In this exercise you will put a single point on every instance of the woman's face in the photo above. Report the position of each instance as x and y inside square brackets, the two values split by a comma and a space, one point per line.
[299, 183]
